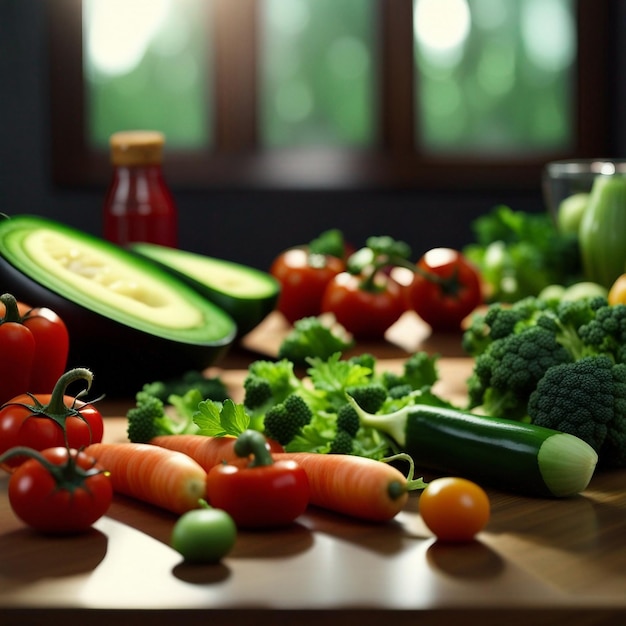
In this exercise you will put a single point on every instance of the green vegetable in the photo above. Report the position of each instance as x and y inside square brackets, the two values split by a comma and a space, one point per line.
[314, 416]
[314, 337]
[329, 242]
[511, 455]
[571, 211]
[245, 293]
[556, 364]
[204, 535]
[520, 253]
[113, 303]
[602, 231]
[149, 419]
[587, 398]
[210, 388]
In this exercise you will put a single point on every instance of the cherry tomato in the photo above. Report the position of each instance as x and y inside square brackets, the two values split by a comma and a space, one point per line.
[204, 535]
[44, 420]
[69, 501]
[454, 509]
[365, 309]
[303, 278]
[445, 289]
[617, 292]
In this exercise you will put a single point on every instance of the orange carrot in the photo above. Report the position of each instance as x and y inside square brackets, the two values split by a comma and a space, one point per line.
[206, 451]
[353, 485]
[165, 478]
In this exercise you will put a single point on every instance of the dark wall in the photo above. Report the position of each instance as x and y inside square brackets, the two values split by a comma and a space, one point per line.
[242, 225]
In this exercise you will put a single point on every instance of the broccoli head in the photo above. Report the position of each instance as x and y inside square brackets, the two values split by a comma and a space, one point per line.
[285, 420]
[504, 376]
[268, 383]
[586, 398]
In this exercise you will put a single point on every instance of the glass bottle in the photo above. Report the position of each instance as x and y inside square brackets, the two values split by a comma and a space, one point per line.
[139, 205]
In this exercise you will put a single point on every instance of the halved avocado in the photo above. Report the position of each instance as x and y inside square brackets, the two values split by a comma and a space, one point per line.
[247, 294]
[129, 321]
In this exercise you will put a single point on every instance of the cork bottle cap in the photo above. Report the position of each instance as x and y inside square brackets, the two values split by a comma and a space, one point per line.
[136, 147]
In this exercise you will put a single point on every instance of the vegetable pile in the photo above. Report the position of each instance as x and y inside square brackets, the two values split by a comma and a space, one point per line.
[346, 407]
[556, 364]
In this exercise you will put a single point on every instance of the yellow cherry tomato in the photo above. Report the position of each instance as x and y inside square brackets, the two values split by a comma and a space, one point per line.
[454, 509]
[617, 292]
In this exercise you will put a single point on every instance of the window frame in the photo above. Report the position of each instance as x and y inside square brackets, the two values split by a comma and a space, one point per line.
[237, 161]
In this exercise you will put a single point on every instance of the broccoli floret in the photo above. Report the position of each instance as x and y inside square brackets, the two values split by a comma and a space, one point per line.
[420, 370]
[586, 398]
[399, 391]
[268, 383]
[370, 397]
[504, 376]
[606, 332]
[348, 420]
[314, 337]
[342, 443]
[149, 419]
[284, 421]
[257, 391]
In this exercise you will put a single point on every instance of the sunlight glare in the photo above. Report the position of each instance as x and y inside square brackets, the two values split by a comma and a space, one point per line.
[118, 32]
[441, 25]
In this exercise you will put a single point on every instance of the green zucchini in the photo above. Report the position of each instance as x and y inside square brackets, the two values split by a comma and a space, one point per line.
[506, 454]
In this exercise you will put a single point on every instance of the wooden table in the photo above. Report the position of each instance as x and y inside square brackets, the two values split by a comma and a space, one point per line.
[537, 562]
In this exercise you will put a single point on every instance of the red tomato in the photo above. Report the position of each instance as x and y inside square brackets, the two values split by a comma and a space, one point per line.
[364, 310]
[20, 426]
[69, 502]
[454, 509]
[303, 278]
[445, 289]
[265, 496]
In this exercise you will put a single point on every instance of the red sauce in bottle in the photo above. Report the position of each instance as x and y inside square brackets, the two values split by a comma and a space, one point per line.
[138, 205]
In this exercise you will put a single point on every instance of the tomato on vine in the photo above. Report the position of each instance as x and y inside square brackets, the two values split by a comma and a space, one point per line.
[446, 288]
[58, 490]
[49, 420]
[365, 305]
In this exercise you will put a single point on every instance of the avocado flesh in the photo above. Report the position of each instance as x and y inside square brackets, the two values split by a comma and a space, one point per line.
[246, 293]
[129, 322]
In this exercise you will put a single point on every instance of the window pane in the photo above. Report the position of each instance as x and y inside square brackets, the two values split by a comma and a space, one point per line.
[494, 76]
[146, 67]
[317, 72]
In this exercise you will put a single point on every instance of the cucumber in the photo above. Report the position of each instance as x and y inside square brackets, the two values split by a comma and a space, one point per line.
[129, 322]
[507, 454]
[248, 295]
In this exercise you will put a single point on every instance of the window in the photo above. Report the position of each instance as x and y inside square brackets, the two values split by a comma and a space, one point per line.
[331, 93]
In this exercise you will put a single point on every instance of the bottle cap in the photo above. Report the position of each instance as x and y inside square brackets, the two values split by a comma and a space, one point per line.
[136, 147]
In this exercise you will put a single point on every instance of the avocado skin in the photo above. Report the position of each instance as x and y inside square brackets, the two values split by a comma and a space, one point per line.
[121, 358]
[247, 313]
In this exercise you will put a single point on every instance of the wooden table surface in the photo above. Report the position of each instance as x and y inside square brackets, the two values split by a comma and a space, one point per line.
[538, 561]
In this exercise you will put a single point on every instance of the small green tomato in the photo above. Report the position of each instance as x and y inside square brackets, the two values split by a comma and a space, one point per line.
[204, 535]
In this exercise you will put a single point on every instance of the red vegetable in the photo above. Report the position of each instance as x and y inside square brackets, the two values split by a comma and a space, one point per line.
[365, 305]
[303, 277]
[49, 420]
[34, 344]
[58, 490]
[445, 290]
[263, 494]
